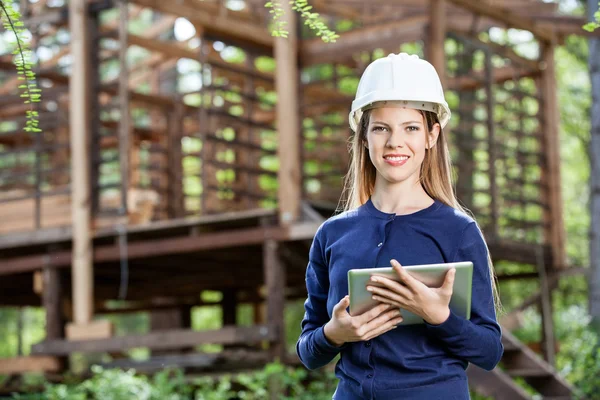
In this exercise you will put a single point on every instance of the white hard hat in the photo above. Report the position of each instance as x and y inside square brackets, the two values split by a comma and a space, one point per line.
[400, 78]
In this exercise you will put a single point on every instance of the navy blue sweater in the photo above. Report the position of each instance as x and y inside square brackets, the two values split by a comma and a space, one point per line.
[409, 362]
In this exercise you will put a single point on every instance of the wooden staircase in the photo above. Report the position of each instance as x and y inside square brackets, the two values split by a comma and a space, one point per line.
[519, 361]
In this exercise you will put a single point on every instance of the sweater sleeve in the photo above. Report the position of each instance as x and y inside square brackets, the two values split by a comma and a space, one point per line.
[477, 340]
[312, 347]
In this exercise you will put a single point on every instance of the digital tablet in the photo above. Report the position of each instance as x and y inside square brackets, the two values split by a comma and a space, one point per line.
[431, 275]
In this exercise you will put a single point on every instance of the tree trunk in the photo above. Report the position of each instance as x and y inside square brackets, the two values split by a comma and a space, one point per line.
[594, 65]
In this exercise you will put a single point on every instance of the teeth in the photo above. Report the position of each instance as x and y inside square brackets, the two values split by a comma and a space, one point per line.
[401, 158]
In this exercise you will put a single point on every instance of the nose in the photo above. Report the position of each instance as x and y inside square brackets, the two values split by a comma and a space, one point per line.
[395, 140]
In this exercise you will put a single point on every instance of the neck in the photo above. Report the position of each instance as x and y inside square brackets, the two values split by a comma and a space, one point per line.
[400, 198]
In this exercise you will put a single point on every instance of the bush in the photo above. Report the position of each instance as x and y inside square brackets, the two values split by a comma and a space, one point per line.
[113, 384]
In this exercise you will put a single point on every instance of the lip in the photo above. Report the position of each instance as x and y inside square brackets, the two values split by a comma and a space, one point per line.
[396, 163]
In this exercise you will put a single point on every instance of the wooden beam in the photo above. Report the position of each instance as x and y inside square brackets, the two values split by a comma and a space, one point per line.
[500, 75]
[555, 234]
[504, 51]
[437, 37]
[222, 26]
[51, 301]
[20, 365]
[160, 340]
[315, 51]
[79, 119]
[177, 245]
[288, 124]
[511, 19]
[178, 50]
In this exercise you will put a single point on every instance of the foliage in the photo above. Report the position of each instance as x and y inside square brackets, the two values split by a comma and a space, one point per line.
[114, 384]
[311, 19]
[11, 19]
[579, 356]
[591, 26]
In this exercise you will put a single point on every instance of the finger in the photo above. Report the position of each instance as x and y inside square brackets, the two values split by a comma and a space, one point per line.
[372, 313]
[405, 277]
[391, 303]
[340, 307]
[449, 280]
[402, 298]
[380, 330]
[382, 319]
[391, 285]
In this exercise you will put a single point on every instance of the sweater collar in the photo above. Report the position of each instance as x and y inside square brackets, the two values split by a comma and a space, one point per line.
[371, 209]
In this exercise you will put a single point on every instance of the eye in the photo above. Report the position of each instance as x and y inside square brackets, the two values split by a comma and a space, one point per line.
[378, 128]
[413, 128]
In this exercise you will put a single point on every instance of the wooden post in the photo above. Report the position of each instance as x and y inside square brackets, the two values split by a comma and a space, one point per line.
[52, 303]
[491, 126]
[176, 207]
[555, 230]
[288, 126]
[82, 269]
[275, 283]
[548, 341]
[229, 306]
[594, 68]
[124, 124]
[79, 125]
[437, 37]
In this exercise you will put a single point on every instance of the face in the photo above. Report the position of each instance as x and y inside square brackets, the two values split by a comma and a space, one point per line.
[397, 141]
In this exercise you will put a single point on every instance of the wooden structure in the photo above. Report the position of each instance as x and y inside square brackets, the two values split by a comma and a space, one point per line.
[170, 165]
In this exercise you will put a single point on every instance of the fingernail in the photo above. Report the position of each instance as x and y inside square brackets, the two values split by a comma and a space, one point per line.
[374, 280]
[370, 289]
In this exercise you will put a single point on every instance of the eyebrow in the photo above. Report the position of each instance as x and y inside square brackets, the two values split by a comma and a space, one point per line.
[404, 123]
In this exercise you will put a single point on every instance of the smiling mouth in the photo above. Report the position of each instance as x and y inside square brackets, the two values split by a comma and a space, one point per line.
[396, 158]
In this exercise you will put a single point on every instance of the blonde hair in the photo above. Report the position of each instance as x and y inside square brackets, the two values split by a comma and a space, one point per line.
[435, 176]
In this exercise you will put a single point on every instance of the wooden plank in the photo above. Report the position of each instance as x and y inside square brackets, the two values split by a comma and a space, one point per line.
[62, 234]
[226, 27]
[555, 234]
[98, 329]
[79, 119]
[19, 365]
[162, 340]
[495, 384]
[145, 249]
[510, 18]
[315, 51]
[288, 125]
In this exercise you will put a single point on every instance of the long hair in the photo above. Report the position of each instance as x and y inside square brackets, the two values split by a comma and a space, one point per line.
[435, 176]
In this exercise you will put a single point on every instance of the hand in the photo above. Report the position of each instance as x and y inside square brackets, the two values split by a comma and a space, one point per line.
[344, 327]
[431, 304]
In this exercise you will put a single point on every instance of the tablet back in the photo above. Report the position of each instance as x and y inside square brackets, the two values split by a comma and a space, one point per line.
[431, 275]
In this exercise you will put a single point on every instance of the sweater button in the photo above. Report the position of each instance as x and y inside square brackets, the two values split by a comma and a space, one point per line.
[380, 244]
[370, 376]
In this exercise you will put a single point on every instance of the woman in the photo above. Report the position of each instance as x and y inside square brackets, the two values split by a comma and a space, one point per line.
[400, 209]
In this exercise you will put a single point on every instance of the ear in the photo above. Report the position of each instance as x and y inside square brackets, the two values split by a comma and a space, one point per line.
[434, 133]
